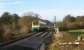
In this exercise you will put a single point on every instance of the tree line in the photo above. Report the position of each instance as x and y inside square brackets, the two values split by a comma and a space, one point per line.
[71, 22]
[13, 23]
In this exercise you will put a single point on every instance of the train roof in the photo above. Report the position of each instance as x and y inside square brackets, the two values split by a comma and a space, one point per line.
[46, 21]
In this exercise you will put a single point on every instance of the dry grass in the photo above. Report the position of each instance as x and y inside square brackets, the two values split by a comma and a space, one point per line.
[60, 38]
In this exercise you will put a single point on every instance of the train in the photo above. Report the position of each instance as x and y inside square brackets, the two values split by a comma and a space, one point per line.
[40, 26]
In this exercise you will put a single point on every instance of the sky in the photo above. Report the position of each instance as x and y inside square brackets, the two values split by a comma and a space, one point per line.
[47, 9]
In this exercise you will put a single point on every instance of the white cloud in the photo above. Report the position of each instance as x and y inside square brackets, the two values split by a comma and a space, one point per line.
[9, 5]
[50, 13]
[4, 2]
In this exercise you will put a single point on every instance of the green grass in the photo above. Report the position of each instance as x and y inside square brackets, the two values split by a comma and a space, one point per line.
[76, 32]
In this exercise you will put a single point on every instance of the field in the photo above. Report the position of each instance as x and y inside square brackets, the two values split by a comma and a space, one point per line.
[76, 33]
[68, 36]
[76, 30]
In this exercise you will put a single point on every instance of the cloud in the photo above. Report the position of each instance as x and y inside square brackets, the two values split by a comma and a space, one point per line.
[9, 0]
[9, 5]
[60, 14]
[50, 13]
[4, 2]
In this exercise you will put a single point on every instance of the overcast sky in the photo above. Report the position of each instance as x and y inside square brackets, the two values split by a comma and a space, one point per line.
[45, 8]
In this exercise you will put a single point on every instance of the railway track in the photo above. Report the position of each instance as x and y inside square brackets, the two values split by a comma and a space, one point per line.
[37, 34]
[44, 34]
[17, 39]
[28, 36]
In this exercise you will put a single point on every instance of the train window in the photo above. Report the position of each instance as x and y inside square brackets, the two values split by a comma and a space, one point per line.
[35, 23]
